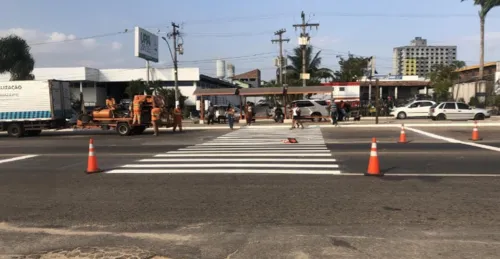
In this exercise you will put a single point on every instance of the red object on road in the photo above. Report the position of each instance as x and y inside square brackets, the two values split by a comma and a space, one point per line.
[373, 163]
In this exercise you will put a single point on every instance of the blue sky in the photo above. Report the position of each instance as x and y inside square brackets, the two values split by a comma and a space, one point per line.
[230, 29]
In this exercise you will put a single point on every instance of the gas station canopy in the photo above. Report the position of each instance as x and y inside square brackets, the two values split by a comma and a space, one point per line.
[262, 91]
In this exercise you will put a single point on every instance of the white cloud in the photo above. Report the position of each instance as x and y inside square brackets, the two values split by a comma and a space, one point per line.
[64, 49]
[89, 43]
[116, 45]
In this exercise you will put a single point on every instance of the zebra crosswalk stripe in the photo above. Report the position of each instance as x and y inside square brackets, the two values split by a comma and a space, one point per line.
[244, 151]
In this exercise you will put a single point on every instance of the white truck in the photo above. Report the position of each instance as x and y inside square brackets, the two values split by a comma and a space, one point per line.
[28, 107]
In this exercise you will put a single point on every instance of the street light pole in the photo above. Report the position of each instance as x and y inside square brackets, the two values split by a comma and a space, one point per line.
[176, 74]
[173, 54]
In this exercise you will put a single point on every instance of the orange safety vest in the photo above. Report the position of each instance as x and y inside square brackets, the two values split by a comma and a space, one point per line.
[137, 107]
[177, 112]
[155, 114]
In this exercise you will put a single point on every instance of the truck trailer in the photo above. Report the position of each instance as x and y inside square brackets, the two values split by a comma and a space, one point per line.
[121, 118]
[28, 107]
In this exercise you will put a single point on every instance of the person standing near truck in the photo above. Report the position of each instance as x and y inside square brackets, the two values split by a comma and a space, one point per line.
[137, 108]
[155, 119]
[111, 105]
[178, 118]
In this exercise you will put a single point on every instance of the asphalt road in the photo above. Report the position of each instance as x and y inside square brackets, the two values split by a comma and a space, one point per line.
[48, 205]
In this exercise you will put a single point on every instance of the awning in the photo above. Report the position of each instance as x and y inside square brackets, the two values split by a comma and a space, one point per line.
[309, 90]
[215, 91]
[291, 90]
[261, 91]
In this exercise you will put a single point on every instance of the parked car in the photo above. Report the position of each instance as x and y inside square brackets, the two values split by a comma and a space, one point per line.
[313, 108]
[413, 109]
[457, 111]
[220, 113]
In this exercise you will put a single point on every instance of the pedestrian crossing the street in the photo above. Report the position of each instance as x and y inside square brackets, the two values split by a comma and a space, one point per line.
[249, 151]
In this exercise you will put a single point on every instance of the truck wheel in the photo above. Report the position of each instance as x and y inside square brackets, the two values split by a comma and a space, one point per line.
[123, 129]
[15, 130]
[32, 133]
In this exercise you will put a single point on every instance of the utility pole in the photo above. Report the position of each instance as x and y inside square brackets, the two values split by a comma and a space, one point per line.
[303, 42]
[280, 41]
[177, 48]
[377, 101]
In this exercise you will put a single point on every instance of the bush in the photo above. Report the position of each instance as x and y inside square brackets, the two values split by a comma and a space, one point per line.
[473, 101]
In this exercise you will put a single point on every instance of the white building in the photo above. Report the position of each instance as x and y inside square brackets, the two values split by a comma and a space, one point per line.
[418, 58]
[96, 84]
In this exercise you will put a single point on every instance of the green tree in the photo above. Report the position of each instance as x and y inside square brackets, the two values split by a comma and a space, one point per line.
[443, 77]
[459, 64]
[313, 67]
[351, 69]
[484, 7]
[136, 87]
[15, 58]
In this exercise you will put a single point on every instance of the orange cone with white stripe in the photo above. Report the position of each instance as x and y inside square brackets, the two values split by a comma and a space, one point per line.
[475, 133]
[373, 163]
[92, 162]
[402, 135]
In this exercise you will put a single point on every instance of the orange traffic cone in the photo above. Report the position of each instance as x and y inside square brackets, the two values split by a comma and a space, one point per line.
[402, 135]
[373, 164]
[475, 133]
[92, 162]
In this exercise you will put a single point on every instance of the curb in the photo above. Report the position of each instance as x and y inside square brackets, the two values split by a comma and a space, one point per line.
[386, 125]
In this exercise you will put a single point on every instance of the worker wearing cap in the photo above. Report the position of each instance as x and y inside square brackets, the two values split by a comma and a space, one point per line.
[137, 108]
[178, 118]
[155, 119]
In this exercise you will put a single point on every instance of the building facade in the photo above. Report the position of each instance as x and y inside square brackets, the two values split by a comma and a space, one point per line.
[250, 77]
[96, 84]
[469, 85]
[418, 58]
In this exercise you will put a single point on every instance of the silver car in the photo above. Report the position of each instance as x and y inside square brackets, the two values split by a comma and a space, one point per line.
[457, 111]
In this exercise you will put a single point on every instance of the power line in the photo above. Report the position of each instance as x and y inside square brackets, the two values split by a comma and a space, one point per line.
[214, 59]
[82, 38]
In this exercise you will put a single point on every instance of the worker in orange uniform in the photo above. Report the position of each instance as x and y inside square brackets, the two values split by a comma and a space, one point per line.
[155, 119]
[137, 110]
[111, 104]
[178, 118]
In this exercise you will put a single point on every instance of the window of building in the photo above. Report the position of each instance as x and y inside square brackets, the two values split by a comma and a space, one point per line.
[341, 89]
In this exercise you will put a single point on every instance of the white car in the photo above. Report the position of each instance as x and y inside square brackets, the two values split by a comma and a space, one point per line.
[457, 111]
[413, 109]
[313, 108]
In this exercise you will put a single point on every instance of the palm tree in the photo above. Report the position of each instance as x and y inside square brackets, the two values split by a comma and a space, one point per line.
[15, 58]
[313, 64]
[485, 7]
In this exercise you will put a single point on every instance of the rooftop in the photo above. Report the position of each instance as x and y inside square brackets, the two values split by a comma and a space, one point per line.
[486, 64]
[250, 74]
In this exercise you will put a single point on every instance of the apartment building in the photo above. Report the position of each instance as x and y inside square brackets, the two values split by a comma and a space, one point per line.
[418, 58]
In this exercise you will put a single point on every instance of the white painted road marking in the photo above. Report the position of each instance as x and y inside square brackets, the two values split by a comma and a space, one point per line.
[452, 140]
[245, 152]
[296, 159]
[229, 165]
[16, 158]
[222, 171]
[245, 155]
[428, 175]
